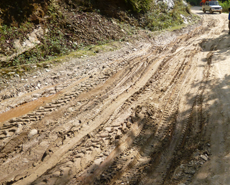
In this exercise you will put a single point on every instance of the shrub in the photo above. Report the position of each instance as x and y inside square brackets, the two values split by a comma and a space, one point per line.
[225, 5]
[161, 18]
[139, 5]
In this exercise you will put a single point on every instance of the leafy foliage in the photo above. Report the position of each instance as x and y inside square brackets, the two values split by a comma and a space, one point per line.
[139, 5]
[161, 18]
[225, 5]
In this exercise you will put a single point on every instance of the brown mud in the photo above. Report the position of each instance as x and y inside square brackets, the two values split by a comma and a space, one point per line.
[154, 112]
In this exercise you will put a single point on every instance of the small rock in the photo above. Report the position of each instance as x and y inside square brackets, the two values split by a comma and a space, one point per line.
[106, 153]
[70, 110]
[2, 136]
[190, 170]
[115, 125]
[119, 133]
[47, 65]
[24, 160]
[52, 92]
[11, 73]
[204, 157]
[83, 151]
[35, 95]
[32, 133]
[104, 134]
[56, 174]
[80, 155]
[128, 124]
[13, 120]
[109, 129]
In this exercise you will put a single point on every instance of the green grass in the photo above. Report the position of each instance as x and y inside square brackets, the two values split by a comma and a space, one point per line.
[90, 50]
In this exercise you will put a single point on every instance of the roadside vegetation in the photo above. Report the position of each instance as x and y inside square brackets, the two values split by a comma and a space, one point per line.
[225, 5]
[71, 25]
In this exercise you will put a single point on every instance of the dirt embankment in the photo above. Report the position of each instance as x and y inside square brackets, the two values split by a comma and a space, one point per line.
[61, 28]
[154, 112]
[36, 31]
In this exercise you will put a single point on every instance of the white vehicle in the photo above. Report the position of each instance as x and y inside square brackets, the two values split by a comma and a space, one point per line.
[211, 6]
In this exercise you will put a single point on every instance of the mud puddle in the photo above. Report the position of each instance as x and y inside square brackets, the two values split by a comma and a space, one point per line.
[25, 108]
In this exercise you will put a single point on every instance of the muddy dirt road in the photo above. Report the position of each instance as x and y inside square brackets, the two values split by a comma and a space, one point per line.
[155, 112]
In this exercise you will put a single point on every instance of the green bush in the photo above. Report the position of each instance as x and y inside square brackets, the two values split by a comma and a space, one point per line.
[225, 5]
[139, 5]
[161, 18]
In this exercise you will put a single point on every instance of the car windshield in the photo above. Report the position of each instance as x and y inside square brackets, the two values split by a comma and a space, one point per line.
[213, 3]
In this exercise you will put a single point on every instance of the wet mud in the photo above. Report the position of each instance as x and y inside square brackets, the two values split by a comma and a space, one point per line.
[144, 115]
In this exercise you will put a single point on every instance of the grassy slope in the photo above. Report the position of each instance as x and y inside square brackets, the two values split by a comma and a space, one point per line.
[73, 25]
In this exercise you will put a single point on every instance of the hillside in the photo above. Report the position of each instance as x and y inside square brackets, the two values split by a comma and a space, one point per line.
[40, 30]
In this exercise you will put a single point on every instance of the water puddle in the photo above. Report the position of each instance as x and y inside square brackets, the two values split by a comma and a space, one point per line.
[25, 108]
